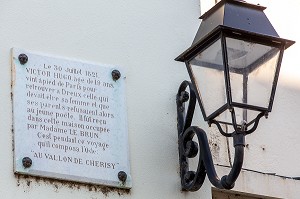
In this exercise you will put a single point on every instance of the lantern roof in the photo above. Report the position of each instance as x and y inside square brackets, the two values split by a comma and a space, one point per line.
[237, 16]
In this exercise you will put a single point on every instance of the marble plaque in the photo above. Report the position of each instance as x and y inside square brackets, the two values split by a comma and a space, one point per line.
[69, 120]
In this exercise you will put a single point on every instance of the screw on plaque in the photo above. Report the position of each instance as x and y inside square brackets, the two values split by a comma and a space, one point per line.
[23, 59]
[115, 75]
[122, 176]
[27, 162]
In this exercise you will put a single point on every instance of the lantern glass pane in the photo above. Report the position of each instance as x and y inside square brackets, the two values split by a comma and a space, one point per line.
[252, 68]
[208, 73]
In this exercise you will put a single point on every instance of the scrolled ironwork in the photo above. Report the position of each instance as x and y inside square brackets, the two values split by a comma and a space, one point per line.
[189, 148]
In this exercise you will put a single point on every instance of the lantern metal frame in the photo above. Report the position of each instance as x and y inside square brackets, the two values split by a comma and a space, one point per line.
[188, 148]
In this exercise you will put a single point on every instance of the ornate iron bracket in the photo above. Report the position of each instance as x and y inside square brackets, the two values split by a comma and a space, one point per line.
[193, 180]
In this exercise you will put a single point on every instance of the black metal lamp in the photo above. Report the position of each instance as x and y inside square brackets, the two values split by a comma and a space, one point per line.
[234, 64]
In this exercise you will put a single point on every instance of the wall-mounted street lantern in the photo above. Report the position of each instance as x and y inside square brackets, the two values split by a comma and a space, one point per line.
[234, 65]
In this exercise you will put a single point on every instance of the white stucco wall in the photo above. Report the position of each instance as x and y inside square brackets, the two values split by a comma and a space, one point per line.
[144, 37]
